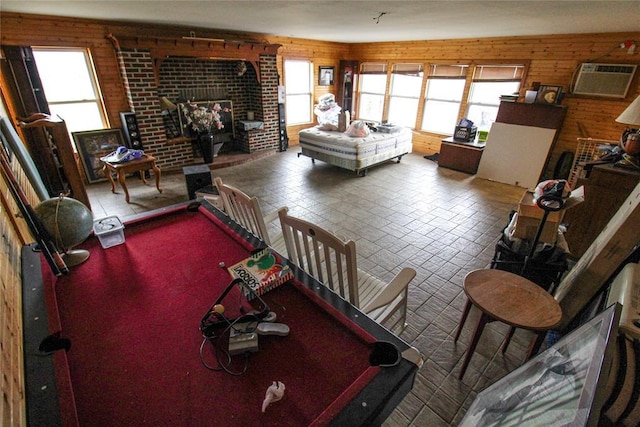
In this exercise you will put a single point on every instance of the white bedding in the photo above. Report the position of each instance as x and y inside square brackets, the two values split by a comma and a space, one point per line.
[351, 153]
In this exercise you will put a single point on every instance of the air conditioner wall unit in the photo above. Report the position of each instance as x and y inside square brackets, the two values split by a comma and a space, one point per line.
[611, 80]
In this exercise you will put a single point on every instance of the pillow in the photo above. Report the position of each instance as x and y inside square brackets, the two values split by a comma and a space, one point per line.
[358, 129]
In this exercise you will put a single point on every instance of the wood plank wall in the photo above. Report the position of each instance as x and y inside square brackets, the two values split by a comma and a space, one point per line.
[15, 234]
[553, 60]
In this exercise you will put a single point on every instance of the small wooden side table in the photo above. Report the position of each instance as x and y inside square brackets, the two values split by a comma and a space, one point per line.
[511, 299]
[122, 169]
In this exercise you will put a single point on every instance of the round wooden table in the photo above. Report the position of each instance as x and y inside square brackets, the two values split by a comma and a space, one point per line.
[511, 299]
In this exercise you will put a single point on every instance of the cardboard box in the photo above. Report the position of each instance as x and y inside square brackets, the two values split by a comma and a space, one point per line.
[530, 215]
[526, 228]
[600, 261]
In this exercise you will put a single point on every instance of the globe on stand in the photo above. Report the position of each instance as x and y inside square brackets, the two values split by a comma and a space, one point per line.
[69, 222]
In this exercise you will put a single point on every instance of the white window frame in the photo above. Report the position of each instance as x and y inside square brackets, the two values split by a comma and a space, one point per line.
[413, 70]
[368, 69]
[511, 73]
[96, 99]
[438, 73]
[295, 94]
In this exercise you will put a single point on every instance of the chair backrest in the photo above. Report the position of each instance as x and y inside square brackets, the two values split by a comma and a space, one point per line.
[243, 209]
[322, 255]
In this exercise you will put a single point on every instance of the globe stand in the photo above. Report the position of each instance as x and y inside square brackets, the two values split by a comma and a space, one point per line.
[75, 257]
[69, 223]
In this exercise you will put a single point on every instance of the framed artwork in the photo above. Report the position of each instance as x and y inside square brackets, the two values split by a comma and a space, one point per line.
[564, 385]
[548, 94]
[94, 144]
[325, 76]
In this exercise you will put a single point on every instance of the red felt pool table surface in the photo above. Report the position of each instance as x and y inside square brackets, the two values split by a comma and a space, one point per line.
[132, 313]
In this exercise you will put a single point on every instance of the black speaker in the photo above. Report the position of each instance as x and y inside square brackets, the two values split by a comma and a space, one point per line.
[284, 138]
[130, 130]
[197, 177]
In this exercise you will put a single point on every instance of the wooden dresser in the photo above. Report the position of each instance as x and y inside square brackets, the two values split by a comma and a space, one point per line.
[606, 188]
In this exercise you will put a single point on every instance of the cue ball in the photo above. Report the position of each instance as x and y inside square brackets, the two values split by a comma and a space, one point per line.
[221, 264]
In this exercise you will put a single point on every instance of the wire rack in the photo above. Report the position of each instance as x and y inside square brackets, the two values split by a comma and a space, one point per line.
[586, 151]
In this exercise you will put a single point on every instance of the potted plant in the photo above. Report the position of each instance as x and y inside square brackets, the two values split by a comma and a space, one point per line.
[204, 120]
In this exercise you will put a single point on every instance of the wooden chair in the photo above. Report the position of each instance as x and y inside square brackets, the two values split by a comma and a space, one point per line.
[333, 262]
[245, 210]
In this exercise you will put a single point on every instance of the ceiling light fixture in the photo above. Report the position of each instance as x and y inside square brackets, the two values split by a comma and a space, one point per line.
[377, 19]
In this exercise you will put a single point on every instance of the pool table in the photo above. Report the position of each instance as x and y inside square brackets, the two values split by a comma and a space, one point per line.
[117, 340]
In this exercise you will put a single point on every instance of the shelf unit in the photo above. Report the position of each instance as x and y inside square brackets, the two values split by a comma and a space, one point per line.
[348, 83]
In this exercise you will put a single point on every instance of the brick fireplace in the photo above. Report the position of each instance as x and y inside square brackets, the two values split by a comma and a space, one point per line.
[182, 78]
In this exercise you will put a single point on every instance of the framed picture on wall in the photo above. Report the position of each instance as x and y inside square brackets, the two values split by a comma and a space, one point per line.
[548, 94]
[325, 76]
[94, 144]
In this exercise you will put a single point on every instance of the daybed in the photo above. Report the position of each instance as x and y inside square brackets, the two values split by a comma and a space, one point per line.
[355, 154]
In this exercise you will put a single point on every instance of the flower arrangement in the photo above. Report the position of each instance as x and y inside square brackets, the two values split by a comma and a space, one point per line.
[204, 118]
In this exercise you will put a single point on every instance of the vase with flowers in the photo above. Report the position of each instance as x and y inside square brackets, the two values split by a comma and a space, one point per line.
[204, 119]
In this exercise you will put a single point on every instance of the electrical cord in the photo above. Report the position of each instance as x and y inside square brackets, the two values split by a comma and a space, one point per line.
[220, 351]
[214, 320]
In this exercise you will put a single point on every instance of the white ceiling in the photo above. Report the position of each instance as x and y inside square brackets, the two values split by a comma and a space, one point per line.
[357, 20]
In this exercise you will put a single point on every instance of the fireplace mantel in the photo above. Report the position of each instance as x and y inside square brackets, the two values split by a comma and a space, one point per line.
[195, 47]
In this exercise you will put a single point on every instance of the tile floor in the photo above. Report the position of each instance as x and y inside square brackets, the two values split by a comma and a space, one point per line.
[441, 222]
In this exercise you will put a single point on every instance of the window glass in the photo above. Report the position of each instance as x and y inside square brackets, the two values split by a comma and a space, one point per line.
[373, 86]
[484, 100]
[489, 83]
[68, 79]
[404, 96]
[86, 113]
[373, 83]
[371, 106]
[442, 105]
[403, 111]
[298, 78]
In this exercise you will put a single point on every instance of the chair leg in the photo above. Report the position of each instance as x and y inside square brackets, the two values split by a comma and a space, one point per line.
[484, 319]
[507, 340]
[463, 319]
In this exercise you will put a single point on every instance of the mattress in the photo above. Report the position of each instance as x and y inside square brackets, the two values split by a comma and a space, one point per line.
[354, 153]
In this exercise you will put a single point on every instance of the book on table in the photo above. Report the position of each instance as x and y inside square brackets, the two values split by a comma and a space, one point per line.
[261, 272]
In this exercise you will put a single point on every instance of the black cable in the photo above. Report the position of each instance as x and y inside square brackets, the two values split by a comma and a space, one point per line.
[214, 320]
[215, 341]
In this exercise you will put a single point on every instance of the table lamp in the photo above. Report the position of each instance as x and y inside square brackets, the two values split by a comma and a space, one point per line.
[630, 140]
[168, 108]
[167, 105]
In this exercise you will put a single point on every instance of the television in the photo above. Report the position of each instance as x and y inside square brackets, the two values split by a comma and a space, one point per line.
[562, 386]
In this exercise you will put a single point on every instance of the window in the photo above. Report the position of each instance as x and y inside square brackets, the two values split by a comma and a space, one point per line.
[445, 86]
[373, 85]
[489, 82]
[404, 96]
[299, 91]
[69, 83]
